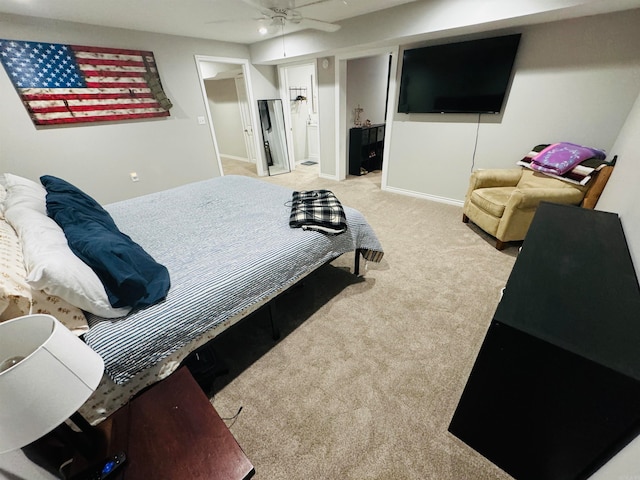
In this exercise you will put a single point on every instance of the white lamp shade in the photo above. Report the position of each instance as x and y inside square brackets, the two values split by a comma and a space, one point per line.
[55, 374]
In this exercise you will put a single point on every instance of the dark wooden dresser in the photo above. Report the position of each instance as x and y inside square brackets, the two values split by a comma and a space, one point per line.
[555, 389]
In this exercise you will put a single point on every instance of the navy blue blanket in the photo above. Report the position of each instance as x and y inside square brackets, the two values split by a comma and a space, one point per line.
[129, 274]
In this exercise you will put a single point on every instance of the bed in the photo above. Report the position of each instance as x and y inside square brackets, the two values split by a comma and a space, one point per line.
[228, 248]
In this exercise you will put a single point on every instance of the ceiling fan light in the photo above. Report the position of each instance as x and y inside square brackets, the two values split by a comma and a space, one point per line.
[275, 25]
[263, 26]
[270, 26]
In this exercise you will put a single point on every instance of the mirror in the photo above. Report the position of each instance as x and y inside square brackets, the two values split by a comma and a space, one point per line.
[273, 135]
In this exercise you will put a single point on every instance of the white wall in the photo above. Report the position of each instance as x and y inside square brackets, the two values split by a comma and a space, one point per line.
[367, 87]
[326, 119]
[622, 196]
[98, 157]
[575, 81]
[264, 80]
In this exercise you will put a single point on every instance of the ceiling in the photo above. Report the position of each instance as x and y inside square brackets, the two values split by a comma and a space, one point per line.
[225, 20]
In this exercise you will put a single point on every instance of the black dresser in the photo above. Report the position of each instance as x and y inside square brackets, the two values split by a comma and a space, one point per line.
[555, 389]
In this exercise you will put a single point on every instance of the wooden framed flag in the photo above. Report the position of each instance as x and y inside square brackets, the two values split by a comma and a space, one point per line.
[62, 84]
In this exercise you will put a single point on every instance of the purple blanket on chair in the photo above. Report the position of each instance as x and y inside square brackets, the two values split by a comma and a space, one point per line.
[559, 158]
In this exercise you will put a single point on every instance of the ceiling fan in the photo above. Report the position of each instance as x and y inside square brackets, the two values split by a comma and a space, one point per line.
[278, 13]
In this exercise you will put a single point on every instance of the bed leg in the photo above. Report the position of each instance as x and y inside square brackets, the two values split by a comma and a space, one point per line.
[356, 264]
[275, 330]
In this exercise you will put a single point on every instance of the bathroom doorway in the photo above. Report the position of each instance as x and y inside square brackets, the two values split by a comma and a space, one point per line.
[299, 88]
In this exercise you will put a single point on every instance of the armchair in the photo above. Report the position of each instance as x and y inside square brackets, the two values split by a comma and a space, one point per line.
[502, 202]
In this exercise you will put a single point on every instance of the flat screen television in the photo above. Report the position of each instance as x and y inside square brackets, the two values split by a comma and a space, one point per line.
[462, 77]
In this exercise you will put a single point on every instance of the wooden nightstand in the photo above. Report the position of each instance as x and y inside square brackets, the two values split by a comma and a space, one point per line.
[172, 432]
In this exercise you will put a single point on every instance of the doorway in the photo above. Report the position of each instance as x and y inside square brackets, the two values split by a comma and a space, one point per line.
[231, 115]
[365, 94]
[299, 88]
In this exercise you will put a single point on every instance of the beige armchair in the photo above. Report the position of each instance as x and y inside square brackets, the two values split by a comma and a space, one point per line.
[502, 202]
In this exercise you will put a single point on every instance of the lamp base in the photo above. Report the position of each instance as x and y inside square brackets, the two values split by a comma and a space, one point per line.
[56, 449]
[50, 453]
[87, 441]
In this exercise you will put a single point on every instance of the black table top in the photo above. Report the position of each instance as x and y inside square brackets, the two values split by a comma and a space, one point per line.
[574, 285]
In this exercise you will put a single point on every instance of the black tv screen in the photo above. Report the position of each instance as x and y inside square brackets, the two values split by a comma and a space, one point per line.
[463, 77]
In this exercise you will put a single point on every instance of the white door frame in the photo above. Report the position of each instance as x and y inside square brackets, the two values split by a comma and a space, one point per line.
[341, 107]
[253, 109]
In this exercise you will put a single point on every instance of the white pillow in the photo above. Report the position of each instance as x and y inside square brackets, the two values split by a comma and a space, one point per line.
[50, 263]
[22, 191]
[3, 195]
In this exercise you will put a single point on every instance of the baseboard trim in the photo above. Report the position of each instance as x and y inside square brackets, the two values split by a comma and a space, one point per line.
[426, 196]
[233, 157]
[328, 177]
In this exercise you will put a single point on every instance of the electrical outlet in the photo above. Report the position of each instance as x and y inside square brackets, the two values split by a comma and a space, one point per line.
[134, 177]
[201, 121]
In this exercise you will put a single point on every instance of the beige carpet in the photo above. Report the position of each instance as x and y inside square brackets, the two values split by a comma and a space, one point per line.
[368, 372]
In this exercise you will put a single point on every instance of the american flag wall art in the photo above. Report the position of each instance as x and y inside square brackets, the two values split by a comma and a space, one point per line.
[62, 84]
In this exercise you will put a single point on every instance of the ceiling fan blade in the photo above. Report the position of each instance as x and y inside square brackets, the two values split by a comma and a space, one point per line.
[294, 16]
[264, 6]
[272, 4]
[316, 2]
[319, 25]
[236, 20]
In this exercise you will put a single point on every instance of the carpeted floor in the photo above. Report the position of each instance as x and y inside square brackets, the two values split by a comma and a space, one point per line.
[369, 370]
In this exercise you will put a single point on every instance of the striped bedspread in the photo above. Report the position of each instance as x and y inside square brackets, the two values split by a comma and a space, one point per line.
[227, 245]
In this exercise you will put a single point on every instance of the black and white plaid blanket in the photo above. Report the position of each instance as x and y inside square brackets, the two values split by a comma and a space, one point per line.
[317, 210]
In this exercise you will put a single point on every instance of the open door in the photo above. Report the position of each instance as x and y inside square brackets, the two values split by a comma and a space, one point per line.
[245, 115]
